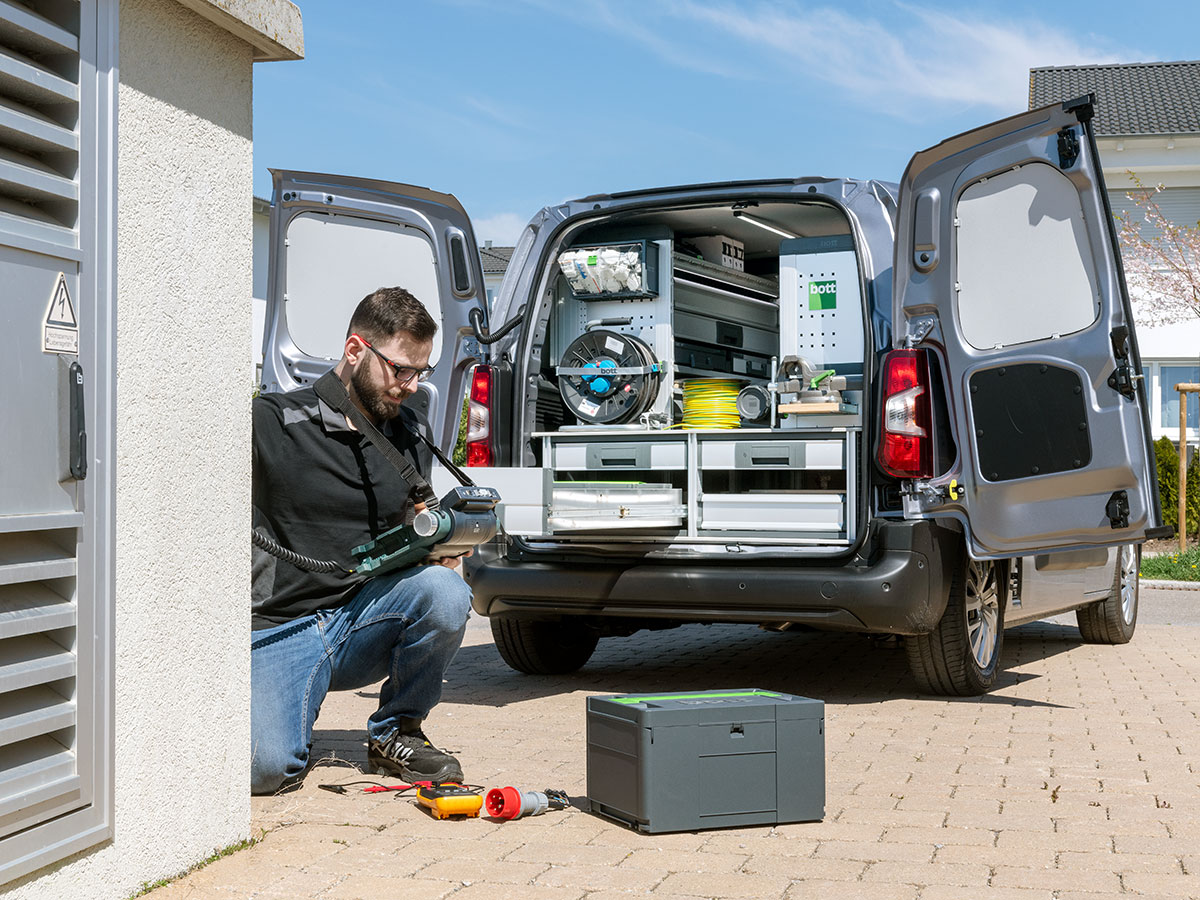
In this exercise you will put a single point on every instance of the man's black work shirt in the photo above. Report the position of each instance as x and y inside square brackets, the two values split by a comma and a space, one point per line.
[321, 489]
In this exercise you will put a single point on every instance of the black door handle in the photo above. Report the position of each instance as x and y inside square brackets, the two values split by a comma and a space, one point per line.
[77, 434]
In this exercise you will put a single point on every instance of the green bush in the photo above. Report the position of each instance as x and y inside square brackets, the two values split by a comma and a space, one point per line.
[1167, 458]
[459, 457]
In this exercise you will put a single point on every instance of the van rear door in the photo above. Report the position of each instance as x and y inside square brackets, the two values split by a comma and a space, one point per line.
[334, 240]
[1007, 270]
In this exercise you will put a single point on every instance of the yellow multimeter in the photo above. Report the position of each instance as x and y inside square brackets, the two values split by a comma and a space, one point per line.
[450, 799]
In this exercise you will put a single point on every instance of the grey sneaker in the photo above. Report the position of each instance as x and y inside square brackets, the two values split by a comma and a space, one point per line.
[412, 757]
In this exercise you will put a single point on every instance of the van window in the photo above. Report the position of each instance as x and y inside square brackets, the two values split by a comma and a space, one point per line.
[333, 261]
[1025, 268]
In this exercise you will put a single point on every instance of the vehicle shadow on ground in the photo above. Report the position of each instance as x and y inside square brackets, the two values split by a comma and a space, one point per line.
[837, 668]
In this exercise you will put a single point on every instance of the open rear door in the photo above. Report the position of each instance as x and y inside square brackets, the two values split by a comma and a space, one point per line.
[1007, 271]
[334, 240]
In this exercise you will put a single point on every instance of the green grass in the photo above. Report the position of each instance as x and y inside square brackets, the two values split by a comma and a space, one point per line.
[149, 886]
[1174, 566]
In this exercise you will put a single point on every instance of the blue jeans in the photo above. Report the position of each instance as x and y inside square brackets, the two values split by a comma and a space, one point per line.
[404, 627]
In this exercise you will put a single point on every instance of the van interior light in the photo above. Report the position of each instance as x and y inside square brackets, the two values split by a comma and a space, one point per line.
[764, 224]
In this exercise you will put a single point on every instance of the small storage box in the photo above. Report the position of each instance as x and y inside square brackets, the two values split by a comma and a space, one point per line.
[714, 759]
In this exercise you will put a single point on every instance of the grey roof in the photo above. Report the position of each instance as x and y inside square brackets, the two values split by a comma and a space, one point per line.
[495, 259]
[1131, 98]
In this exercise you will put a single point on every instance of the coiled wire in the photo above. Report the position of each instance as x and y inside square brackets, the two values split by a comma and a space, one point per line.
[711, 403]
[307, 563]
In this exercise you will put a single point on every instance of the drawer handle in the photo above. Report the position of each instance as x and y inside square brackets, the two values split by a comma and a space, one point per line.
[737, 731]
[619, 461]
[769, 460]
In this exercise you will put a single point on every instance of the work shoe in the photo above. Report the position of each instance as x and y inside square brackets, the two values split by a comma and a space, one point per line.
[410, 756]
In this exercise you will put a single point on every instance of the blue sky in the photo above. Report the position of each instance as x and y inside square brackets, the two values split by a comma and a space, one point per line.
[512, 106]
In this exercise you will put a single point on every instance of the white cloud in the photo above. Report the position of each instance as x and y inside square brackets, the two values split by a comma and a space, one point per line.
[502, 229]
[898, 64]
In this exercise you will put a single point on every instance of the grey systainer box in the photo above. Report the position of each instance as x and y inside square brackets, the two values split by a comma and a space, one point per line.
[713, 759]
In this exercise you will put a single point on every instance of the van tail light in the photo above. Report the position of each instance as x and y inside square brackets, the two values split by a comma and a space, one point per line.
[906, 445]
[480, 443]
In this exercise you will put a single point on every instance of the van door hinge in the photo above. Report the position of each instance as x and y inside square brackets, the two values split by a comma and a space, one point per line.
[1068, 148]
[1117, 510]
[1122, 380]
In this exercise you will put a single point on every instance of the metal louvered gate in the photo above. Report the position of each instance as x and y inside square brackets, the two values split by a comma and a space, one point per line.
[57, 330]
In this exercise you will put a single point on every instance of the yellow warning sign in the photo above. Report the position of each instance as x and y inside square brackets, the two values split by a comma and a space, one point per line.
[60, 331]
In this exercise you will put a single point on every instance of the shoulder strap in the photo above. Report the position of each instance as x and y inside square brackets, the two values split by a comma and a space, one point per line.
[330, 389]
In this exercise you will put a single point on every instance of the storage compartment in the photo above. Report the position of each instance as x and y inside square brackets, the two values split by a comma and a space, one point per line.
[643, 384]
[715, 759]
[804, 512]
[601, 506]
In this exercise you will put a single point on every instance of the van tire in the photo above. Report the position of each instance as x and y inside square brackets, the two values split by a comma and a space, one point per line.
[944, 661]
[1113, 619]
[543, 646]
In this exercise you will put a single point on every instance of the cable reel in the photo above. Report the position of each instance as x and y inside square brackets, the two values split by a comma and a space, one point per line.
[606, 377]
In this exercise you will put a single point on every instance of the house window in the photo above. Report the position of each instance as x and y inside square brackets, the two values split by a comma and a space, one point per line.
[57, 212]
[1169, 376]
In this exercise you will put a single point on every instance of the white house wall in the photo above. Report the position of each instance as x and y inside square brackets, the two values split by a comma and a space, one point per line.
[183, 456]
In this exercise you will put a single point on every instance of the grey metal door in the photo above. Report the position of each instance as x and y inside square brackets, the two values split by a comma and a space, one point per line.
[334, 239]
[1007, 269]
[57, 175]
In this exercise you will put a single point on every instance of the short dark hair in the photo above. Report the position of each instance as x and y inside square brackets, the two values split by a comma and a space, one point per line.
[387, 311]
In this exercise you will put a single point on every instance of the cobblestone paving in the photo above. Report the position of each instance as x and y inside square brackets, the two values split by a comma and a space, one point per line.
[1077, 778]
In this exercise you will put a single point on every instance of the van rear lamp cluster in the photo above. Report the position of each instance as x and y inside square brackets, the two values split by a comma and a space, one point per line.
[906, 446]
[480, 447]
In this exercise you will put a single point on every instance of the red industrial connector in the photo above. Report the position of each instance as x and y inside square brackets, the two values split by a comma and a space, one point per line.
[509, 803]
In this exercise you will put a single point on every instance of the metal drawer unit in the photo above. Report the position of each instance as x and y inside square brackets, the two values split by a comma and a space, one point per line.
[619, 482]
[773, 454]
[809, 516]
[616, 455]
[618, 499]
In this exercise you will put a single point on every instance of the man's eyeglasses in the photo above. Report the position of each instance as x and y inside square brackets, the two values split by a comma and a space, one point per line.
[404, 374]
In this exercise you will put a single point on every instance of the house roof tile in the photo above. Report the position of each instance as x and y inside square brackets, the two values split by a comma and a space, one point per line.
[1131, 98]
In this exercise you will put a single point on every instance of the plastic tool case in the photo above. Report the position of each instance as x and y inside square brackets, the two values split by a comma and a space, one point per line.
[715, 759]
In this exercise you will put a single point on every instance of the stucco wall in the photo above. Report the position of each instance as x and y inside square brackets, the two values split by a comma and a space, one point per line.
[183, 455]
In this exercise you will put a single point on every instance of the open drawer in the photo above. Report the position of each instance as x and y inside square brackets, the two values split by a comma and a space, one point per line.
[580, 506]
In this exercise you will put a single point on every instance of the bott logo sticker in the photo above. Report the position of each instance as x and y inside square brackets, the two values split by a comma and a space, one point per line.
[60, 329]
[822, 294]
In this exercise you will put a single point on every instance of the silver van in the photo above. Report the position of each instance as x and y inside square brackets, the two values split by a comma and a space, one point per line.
[825, 403]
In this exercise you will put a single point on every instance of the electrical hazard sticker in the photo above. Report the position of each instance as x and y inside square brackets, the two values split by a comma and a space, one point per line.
[60, 330]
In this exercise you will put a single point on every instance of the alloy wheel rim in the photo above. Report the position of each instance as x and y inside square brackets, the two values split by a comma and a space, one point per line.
[1129, 575]
[983, 612]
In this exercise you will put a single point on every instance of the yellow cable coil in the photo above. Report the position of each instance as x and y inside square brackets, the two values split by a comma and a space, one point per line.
[711, 403]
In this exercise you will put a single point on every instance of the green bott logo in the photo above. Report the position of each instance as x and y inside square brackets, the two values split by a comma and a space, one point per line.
[822, 294]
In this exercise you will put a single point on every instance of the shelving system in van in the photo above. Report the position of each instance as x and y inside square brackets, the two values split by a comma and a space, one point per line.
[634, 320]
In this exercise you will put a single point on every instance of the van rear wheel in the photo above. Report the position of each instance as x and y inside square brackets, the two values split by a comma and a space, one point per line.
[1113, 619]
[543, 646]
[961, 657]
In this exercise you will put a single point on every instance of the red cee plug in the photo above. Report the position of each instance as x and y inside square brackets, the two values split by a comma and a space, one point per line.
[509, 803]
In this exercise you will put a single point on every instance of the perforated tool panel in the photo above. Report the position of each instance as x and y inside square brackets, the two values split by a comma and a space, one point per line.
[820, 302]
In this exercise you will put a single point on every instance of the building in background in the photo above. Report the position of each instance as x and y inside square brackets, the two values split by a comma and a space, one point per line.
[495, 264]
[125, 260]
[1147, 122]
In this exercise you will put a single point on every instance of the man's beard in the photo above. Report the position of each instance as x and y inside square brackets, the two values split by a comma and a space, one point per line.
[372, 399]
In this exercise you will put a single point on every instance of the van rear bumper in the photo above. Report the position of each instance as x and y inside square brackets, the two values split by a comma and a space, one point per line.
[902, 589]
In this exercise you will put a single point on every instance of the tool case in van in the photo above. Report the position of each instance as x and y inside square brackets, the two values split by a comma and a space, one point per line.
[713, 759]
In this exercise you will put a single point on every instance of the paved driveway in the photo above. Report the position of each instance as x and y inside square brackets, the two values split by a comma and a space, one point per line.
[1079, 777]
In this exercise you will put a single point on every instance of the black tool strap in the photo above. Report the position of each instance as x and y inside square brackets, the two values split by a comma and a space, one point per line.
[330, 389]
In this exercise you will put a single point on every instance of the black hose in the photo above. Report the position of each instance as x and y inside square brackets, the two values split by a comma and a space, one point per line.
[476, 318]
[322, 566]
